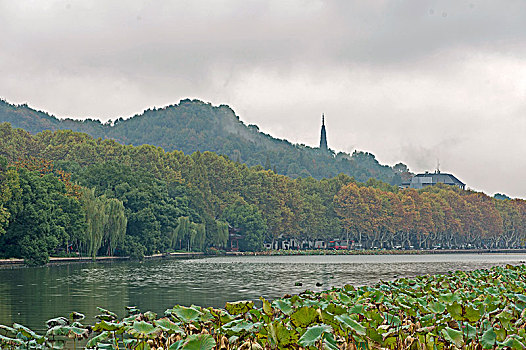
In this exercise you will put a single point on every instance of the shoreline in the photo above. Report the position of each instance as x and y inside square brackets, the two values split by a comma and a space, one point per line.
[13, 262]
[69, 260]
[378, 252]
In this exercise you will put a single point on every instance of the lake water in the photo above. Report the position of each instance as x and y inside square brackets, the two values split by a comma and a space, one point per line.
[31, 296]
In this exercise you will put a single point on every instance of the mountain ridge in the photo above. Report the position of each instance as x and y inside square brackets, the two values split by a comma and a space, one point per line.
[194, 125]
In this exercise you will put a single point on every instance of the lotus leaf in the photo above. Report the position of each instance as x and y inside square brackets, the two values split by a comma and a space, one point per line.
[132, 310]
[239, 307]
[314, 334]
[10, 341]
[437, 307]
[267, 308]
[521, 298]
[349, 288]
[453, 336]
[329, 342]
[283, 306]
[77, 333]
[185, 314]
[8, 330]
[304, 316]
[199, 342]
[470, 332]
[281, 335]
[336, 309]
[225, 317]
[177, 345]
[140, 346]
[349, 323]
[58, 321]
[357, 309]
[129, 320]
[501, 333]
[76, 316]
[237, 327]
[512, 342]
[26, 332]
[58, 331]
[141, 329]
[488, 339]
[150, 316]
[471, 314]
[95, 341]
[374, 317]
[392, 319]
[504, 317]
[328, 318]
[106, 315]
[455, 310]
[206, 315]
[168, 326]
[448, 298]
[345, 299]
[377, 297]
[373, 334]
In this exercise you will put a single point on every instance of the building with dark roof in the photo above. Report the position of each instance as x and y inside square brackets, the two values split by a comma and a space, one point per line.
[431, 179]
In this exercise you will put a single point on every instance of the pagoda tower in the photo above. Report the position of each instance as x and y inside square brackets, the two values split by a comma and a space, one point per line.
[323, 138]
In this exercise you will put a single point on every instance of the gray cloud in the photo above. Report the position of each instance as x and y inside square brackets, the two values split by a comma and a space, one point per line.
[409, 81]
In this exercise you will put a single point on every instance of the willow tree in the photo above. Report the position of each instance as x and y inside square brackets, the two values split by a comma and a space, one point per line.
[181, 232]
[94, 211]
[114, 224]
[198, 238]
[106, 222]
[220, 239]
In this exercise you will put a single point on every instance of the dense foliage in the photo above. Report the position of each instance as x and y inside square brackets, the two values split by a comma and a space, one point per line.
[482, 309]
[192, 126]
[434, 217]
[43, 215]
[128, 200]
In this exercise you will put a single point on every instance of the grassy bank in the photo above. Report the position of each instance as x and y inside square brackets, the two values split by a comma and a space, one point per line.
[482, 309]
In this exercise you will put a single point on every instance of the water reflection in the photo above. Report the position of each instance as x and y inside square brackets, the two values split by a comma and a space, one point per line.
[32, 295]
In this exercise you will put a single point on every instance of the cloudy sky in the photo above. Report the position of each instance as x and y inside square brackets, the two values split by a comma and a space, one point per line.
[413, 81]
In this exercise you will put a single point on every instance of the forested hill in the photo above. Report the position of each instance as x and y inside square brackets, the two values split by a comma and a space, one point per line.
[194, 125]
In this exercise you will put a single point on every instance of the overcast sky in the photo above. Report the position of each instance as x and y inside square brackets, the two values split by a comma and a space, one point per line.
[412, 81]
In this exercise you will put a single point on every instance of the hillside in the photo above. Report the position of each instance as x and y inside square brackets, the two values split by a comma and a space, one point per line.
[194, 125]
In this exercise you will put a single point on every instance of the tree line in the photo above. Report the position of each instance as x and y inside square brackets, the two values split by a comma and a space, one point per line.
[65, 191]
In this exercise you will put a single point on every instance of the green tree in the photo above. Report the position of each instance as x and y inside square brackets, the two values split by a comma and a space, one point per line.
[44, 220]
[248, 219]
[9, 187]
[115, 225]
[94, 210]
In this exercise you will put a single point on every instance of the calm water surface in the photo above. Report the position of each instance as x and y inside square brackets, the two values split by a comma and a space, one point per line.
[33, 295]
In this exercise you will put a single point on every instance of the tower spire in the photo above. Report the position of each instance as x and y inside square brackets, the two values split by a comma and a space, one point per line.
[323, 138]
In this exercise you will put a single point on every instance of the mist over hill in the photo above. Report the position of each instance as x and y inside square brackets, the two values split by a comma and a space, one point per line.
[193, 125]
